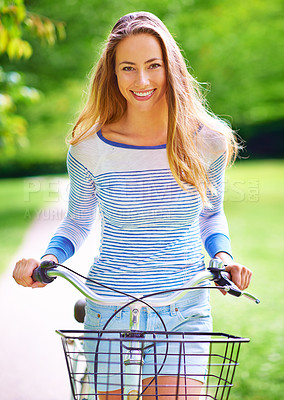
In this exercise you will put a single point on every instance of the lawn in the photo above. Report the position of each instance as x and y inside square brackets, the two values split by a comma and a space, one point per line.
[254, 207]
[254, 201]
[20, 201]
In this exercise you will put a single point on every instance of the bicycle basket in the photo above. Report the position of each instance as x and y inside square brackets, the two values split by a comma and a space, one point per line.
[132, 365]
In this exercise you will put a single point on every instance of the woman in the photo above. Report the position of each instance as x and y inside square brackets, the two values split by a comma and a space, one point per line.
[148, 154]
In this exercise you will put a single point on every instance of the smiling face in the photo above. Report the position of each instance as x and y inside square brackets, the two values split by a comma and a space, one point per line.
[140, 72]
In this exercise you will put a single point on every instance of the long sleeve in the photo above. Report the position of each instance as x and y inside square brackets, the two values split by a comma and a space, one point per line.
[81, 212]
[213, 223]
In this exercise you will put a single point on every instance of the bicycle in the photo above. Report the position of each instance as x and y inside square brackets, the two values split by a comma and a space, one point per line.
[132, 345]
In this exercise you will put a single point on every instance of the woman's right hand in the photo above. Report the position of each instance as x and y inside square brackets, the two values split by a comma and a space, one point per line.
[24, 269]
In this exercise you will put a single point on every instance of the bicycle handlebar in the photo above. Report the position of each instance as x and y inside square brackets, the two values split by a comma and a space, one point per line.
[48, 271]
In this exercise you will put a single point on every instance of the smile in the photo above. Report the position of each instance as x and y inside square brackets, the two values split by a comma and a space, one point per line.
[143, 96]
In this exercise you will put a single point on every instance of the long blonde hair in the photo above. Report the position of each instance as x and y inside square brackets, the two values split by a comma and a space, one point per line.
[187, 110]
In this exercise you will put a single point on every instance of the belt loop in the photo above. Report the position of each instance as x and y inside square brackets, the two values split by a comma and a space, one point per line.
[118, 315]
[173, 309]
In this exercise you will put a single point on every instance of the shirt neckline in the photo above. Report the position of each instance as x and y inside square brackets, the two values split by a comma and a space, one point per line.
[129, 146]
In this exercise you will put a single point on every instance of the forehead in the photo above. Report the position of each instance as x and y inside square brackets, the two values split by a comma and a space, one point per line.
[138, 48]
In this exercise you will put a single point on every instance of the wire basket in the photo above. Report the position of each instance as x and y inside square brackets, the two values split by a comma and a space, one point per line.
[133, 365]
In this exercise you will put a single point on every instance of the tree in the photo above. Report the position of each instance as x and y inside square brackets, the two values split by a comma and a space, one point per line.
[15, 22]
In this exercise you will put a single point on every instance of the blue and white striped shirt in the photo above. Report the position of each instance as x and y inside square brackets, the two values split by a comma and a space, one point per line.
[152, 230]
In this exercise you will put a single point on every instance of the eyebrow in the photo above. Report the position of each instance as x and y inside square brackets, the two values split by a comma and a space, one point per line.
[146, 62]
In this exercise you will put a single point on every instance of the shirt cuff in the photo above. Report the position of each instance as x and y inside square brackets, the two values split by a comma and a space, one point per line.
[61, 247]
[216, 243]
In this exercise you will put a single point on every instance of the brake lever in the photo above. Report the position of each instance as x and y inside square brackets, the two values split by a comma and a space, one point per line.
[228, 285]
[222, 278]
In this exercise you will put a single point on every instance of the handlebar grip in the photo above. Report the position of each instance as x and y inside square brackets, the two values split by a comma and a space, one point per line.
[40, 273]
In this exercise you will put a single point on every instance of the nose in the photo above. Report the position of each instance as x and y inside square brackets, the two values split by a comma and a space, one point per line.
[142, 79]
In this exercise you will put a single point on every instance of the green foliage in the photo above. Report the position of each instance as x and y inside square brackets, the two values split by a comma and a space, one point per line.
[14, 19]
[13, 127]
[13, 15]
[235, 46]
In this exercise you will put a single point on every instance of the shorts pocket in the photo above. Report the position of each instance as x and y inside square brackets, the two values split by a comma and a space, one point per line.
[96, 319]
[186, 313]
[92, 320]
[197, 306]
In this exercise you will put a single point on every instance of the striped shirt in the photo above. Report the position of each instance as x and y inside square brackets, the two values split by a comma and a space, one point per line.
[152, 230]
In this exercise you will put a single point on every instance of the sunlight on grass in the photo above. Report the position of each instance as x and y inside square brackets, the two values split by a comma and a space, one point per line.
[254, 208]
[21, 200]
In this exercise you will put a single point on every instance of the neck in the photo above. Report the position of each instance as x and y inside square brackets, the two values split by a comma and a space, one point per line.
[149, 125]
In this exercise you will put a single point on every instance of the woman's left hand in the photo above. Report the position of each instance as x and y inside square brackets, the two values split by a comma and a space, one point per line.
[240, 275]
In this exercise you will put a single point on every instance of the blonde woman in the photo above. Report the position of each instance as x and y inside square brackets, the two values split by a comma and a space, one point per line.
[146, 152]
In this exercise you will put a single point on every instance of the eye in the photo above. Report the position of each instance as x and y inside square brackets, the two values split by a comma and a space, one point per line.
[155, 66]
[127, 68]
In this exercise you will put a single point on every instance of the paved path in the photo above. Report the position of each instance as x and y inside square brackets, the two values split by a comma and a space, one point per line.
[32, 364]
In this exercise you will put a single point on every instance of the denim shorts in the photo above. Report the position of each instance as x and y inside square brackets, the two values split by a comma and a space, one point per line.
[190, 314]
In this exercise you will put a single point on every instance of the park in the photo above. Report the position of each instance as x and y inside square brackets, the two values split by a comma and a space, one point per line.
[235, 50]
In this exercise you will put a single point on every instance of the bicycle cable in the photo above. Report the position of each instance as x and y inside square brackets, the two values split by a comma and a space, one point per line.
[116, 312]
[126, 305]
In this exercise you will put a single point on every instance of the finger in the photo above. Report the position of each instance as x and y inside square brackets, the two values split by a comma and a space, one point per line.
[243, 279]
[23, 272]
[18, 272]
[235, 271]
[26, 272]
[221, 290]
[247, 274]
[38, 285]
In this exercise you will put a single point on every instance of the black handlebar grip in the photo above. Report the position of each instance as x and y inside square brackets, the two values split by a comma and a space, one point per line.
[40, 273]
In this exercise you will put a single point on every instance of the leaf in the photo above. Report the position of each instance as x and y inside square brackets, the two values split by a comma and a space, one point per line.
[4, 38]
[6, 102]
[12, 48]
[61, 30]
[21, 13]
[18, 48]
[50, 32]
[27, 49]
[45, 28]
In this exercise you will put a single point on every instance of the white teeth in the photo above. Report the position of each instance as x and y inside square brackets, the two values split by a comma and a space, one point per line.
[143, 94]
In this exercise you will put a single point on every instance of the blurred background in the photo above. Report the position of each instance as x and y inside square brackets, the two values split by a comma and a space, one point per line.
[235, 49]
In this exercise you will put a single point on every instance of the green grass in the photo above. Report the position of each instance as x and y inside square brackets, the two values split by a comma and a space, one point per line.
[254, 208]
[21, 200]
